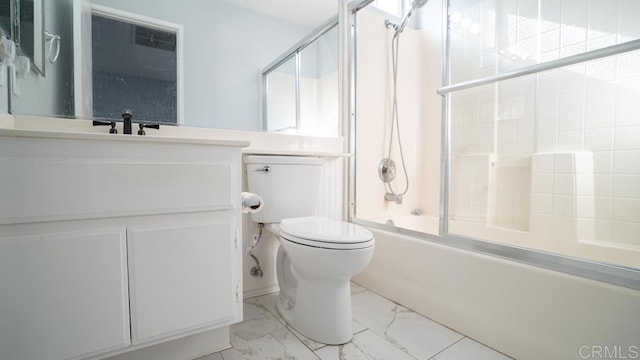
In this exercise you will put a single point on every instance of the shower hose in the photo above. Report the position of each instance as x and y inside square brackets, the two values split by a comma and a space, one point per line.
[395, 120]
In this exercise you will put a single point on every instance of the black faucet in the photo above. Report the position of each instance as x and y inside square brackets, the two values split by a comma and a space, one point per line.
[126, 117]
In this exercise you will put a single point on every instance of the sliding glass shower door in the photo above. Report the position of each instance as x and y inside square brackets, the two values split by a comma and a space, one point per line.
[549, 160]
[536, 108]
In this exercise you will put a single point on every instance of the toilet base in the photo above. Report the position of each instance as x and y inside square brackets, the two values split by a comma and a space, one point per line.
[322, 311]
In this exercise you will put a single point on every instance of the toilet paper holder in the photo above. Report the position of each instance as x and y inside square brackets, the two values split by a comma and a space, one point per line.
[251, 203]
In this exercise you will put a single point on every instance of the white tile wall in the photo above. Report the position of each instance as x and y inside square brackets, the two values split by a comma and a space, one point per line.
[599, 139]
[600, 116]
[627, 138]
[571, 198]
[626, 186]
[579, 125]
[626, 162]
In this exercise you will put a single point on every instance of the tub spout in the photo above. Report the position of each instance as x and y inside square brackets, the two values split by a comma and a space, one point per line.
[393, 197]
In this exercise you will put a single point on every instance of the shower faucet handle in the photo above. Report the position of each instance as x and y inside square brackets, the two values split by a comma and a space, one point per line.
[266, 169]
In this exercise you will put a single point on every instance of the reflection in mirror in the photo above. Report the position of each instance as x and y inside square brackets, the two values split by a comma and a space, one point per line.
[319, 113]
[145, 80]
[225, 46]
[281, 94]
[29, 31]
[5, 18]
[300, 88]
[50, 95]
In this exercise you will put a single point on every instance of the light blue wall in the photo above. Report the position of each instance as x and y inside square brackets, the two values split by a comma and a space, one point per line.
[225, 47]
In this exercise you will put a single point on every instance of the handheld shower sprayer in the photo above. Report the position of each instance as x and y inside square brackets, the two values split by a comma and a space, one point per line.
[415, 4]
[387, 167]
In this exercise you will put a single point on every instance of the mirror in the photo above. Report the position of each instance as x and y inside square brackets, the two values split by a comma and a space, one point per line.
[225, 45]
[147, 78]
[23, 22]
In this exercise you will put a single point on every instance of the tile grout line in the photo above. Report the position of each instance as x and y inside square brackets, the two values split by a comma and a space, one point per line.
[445, 349]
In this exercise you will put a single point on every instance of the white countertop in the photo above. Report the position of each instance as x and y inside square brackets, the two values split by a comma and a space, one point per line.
[252, 142]
[51, 134]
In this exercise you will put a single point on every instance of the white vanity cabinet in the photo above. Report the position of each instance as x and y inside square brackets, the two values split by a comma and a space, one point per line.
[111, 243]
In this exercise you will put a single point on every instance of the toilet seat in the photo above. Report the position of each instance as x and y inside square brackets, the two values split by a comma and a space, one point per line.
[325, 233]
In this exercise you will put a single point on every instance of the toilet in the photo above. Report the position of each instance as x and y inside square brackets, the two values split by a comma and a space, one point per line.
[317, 256]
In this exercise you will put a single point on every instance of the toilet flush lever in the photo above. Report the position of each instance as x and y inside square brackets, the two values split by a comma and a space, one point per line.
[265, 169]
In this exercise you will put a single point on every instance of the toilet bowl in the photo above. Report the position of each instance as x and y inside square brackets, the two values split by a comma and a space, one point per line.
[316, 260]
[317, 256]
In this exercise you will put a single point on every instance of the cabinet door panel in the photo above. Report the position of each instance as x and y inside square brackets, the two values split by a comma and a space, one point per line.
[63, 295]
[181, 277]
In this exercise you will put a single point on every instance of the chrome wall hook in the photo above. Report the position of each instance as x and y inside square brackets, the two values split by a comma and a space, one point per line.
[54, 46]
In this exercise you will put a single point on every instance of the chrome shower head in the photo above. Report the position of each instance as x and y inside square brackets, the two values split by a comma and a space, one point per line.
[415, 4]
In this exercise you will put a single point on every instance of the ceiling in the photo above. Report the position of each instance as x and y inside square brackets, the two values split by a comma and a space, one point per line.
[308, 13]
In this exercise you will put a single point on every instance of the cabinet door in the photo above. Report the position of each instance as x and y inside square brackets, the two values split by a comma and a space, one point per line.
[63, 295]
[181, 277]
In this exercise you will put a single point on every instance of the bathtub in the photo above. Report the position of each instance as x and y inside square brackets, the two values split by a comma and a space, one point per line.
[524, 311]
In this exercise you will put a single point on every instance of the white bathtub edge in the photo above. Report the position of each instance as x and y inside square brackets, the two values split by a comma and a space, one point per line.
[521, 310]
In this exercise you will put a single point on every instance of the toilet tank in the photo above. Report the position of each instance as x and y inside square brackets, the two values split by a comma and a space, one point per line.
[288, 185]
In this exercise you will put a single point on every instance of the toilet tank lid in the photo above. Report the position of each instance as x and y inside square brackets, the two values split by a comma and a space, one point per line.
[295, 160]
[325, 230]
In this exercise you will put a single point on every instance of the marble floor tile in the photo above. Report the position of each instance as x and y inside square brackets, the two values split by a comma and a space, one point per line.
[469, 349]
[364, 346]
[415, 334]
[269, 302]
[382, 330]
[262, 336]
